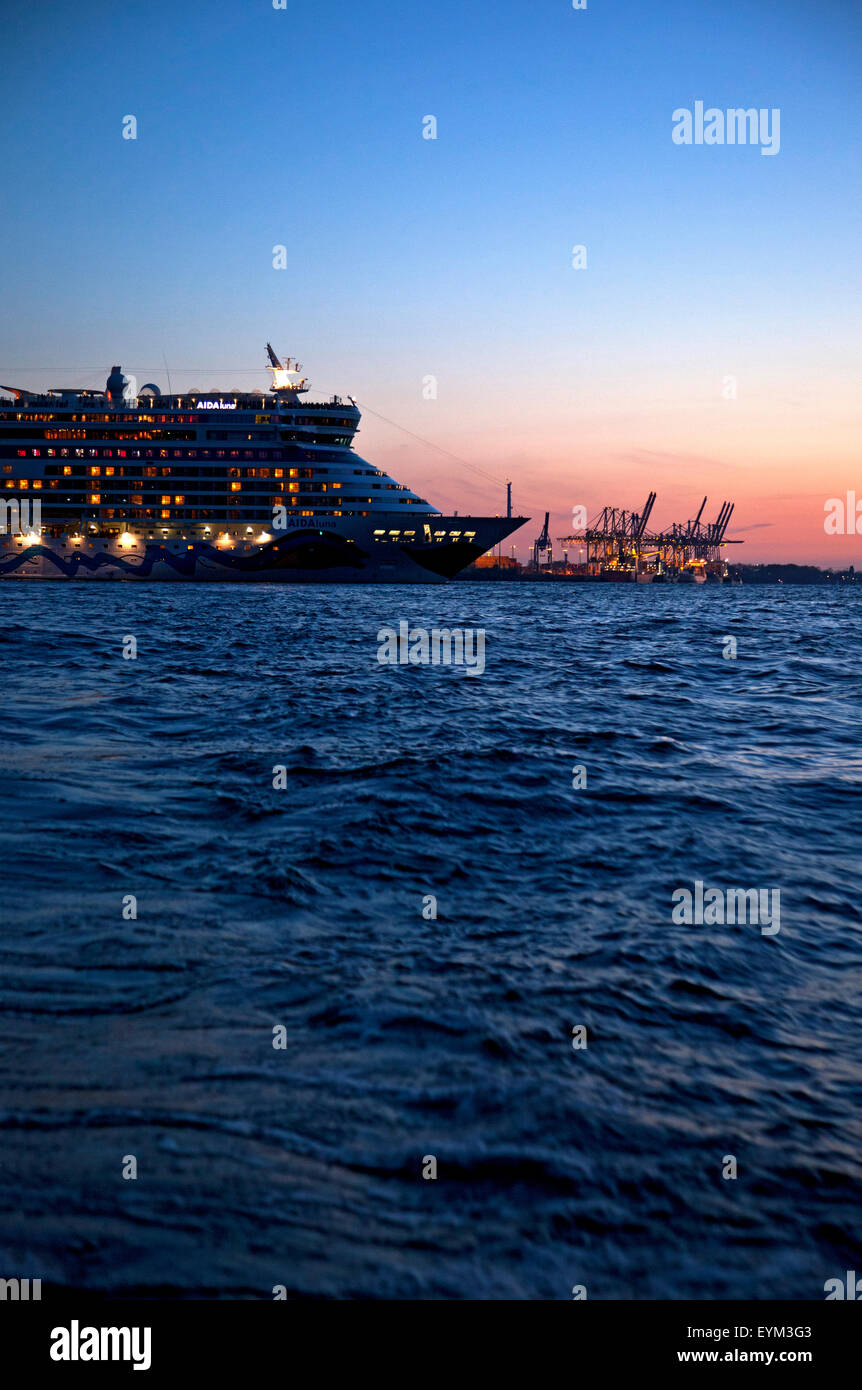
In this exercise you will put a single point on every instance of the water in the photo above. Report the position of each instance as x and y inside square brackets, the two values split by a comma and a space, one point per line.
[405, 1037]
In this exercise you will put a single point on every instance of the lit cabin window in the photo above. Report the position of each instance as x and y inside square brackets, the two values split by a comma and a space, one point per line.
[236, 487]
[94, 498]
[166, 497]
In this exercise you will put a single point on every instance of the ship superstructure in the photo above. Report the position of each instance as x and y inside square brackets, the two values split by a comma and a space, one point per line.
[212, 485]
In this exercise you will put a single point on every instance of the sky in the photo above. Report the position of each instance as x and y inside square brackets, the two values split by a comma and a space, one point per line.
[709, 346]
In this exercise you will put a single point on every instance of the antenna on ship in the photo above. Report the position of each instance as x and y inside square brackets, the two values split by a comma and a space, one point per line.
[289, 378]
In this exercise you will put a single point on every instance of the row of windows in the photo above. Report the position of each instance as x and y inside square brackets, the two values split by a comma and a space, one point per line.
[203, 513]
[190, 436]
[257, 478]
[162, 518]
[52, 502]
[141, 418]
[80, 470]
[284, 455]
[382, 536]
[215, 484]
[155, 435]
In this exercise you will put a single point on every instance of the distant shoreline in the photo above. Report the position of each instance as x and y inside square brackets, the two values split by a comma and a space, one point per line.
[745, 574]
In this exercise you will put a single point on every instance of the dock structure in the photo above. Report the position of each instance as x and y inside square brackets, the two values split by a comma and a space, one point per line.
[618, 545]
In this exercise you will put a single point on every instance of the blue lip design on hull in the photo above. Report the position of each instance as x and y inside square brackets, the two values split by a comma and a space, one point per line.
[183, 564]
[302, 550]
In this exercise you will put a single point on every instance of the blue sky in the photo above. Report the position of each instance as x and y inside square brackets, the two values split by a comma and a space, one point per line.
[409, 257]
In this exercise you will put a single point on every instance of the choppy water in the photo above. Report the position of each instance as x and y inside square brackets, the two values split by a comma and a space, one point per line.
[408, 1037]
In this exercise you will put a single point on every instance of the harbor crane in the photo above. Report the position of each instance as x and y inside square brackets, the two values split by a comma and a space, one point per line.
[618, 540]
[542, 543]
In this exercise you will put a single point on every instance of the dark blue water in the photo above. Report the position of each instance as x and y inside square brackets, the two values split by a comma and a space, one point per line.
[407, 1037]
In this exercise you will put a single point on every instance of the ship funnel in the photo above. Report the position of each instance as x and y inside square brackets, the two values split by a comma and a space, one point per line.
[116, 385]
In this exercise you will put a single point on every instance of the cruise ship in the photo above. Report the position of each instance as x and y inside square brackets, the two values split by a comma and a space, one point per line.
[213, 485]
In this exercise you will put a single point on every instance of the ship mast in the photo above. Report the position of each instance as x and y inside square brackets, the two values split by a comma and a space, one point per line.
[287, 379]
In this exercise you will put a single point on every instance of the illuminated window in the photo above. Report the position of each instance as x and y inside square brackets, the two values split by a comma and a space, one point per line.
[94, 498]
[166, 511]
[166, 498]
[179, 500]
[236, 487]
[95, 471]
